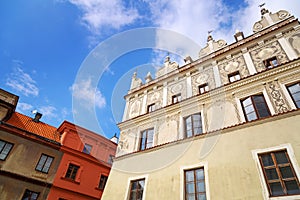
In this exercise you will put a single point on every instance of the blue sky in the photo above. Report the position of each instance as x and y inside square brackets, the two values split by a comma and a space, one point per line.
[45, 44]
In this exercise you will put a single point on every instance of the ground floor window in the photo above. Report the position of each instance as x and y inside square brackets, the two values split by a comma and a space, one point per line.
[137, 189]
[194, 181]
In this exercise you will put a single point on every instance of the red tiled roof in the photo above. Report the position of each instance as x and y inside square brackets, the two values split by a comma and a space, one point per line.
[39, 128]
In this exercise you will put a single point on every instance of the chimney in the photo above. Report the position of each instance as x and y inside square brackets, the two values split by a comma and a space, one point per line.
[239, 35]
[37, 117]
[114, 139]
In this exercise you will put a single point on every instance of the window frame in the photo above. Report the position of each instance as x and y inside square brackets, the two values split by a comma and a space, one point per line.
[277, 166]
[176, 98]
[146, 139]
[194, 182]
[269, 61]
[291, 94]
[101, 184]
[43, 165]
[131, 184]
[256, 111]
[293, 162]
[31, 193]
[71, 173]
[204, 87]
[204, 165]
[192, 125]
[151, 108]
[236, 75]
[3, 148]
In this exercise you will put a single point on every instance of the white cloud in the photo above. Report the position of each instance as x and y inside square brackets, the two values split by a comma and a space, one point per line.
[89, 96]
[194, 18]
[24, 106]
[246, 17]
[48, 111]
[97, 14]
[22, 82]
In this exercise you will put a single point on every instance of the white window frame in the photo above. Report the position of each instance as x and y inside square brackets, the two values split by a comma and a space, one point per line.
[290, 151]
[204, 165]
[145, 176]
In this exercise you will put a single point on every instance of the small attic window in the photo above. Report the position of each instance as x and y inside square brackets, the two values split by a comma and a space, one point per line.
[151, 107]
[235, 76]
[271, 62]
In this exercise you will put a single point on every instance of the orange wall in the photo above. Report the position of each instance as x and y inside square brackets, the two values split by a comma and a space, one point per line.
[85, 186]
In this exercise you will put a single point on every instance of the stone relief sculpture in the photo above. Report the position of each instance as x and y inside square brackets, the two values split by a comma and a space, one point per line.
[264, 22]
[135, 108]
[155, 97]
[267, 51]
[277, 98]
[295, 43]
[205, 76]
[177, 88]
[237, 63]
[168, 67]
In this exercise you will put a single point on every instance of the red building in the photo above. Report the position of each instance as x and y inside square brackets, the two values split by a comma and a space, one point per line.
[85, 165]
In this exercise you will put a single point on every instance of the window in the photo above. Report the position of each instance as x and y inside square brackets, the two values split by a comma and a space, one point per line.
[30, 195]
[146, 140]
[44, 163]
[5, 148]
[151, 107]
[255, 107]
[193, 125]
[87, 148]
[279, 173]
[203, 88]
[234, 77]
[102, 182]
[72, 171]
[194, 181]
[271, 62]
[176, 98]
[294, 90]
[136, 189]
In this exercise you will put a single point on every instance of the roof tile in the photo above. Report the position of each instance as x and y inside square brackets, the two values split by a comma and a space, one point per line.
[39, 128]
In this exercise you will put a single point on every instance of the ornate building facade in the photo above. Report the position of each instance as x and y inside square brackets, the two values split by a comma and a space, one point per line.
[224, 126]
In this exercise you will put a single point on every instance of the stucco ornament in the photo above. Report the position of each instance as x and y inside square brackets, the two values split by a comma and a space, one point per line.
[232, 66]
[266, 53]
[176, 88]
[295, 42]
[135, 109]
[202, 79]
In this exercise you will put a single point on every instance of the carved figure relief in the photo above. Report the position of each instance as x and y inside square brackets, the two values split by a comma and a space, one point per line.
[267, 51]
[177, 88]
[295, 43]
[232, 65]
[206, 76]
[155, 97]
[277, 98]
[135, 109]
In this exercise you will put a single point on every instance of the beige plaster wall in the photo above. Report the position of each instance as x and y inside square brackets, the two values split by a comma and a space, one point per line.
[231, 169]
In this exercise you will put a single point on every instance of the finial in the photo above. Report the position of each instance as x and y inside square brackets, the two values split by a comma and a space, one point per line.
[167, 58]
[209, 38]
[263, 10]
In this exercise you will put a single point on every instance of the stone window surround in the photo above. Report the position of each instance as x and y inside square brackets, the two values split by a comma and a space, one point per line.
[203, 164]
[290, 151]
[145, 176]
